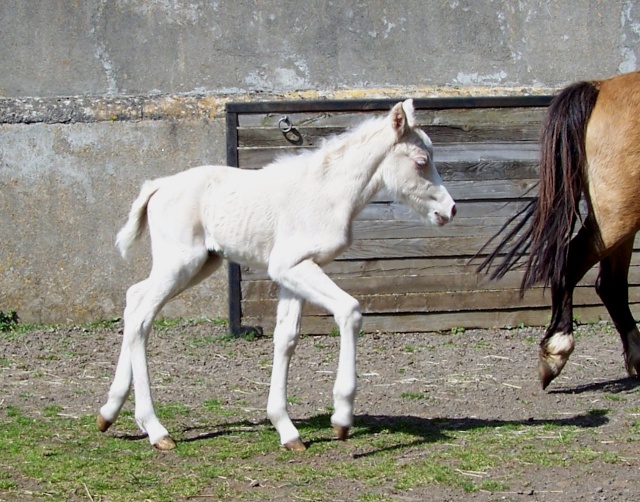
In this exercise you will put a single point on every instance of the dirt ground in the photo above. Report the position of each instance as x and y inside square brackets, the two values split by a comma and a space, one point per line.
[478, 377]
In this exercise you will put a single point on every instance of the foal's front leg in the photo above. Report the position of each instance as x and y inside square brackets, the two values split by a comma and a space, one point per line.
[285, 339]
[307, 280]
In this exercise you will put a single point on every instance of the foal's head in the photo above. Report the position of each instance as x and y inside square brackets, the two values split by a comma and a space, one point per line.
[408, 170]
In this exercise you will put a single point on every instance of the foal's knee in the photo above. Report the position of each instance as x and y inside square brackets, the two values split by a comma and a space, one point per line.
[349, 316]
[285, 343]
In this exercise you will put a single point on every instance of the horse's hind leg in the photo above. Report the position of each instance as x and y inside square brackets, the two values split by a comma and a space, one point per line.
[613, 289]
[558, 342]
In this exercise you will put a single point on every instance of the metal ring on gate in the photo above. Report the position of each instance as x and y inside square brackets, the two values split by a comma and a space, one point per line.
[290, 133]
[287, 127]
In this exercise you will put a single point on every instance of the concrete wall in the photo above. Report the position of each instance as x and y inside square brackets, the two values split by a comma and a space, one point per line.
[98, 95]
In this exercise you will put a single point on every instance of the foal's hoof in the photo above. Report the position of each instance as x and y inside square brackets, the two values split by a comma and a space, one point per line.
[295, 445]
[340, 432]
[103, 424]
[165, 443]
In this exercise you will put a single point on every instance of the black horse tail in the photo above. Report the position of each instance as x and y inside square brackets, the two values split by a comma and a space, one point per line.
[552, 215]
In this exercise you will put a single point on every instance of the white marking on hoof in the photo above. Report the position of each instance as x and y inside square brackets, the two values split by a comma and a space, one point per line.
[554, 354]
[561, 344]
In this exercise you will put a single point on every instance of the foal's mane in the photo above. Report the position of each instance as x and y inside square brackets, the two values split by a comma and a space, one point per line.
[331, 146]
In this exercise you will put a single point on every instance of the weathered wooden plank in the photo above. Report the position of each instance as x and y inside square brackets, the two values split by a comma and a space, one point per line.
[481, 169]
[463, 170]
[448, 280]
[424, 323]
[467, 153]
[393, 212]
[461, 117]
[445, 279]
[344, 269]
[400, 229]
[442, 301]
[439, 133]
[480, 189]
[414, 247]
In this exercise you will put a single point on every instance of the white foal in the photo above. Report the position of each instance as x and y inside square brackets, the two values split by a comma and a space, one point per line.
[291, 217]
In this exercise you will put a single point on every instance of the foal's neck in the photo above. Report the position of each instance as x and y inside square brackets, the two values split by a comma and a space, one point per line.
[353, 163]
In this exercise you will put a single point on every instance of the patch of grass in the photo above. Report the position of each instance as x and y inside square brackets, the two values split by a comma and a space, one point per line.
[8, 320]
[335, 331]
[247, 335]
[414, 395]
[293, 400]
[52, 411]
[216, 408]
[179, 321]
[103, 323]
[223, 456]
[10, 325]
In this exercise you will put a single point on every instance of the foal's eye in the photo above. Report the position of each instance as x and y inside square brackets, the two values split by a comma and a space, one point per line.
[422, 162]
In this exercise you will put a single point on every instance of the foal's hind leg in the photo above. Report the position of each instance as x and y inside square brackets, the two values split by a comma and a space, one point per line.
[558, 343]
[175, 271]
[613, 289]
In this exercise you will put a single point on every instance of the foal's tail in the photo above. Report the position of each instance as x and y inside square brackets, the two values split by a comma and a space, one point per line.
[137, 221]
[553, 214]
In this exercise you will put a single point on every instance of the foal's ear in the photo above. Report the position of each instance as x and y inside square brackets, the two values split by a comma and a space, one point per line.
[402, 117]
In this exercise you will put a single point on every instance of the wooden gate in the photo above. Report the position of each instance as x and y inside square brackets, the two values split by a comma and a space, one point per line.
[408, 276]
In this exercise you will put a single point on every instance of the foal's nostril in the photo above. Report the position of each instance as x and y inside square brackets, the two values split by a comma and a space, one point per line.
[454, 211]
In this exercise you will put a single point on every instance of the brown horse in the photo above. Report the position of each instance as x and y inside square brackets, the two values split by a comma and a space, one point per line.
[590, 146]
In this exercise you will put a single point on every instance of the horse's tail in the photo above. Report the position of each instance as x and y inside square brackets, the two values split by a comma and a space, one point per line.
[137, 221]
[554, 212]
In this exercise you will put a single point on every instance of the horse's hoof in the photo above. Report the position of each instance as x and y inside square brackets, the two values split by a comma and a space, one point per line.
[632, 356]
[547, 370]
[546, 374]
[103, 424]
[553, 356]
[165, 443]
[295, 445]
[341, 433]
[633, 367]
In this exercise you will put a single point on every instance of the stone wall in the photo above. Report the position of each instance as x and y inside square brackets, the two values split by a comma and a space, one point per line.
[98, 95]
